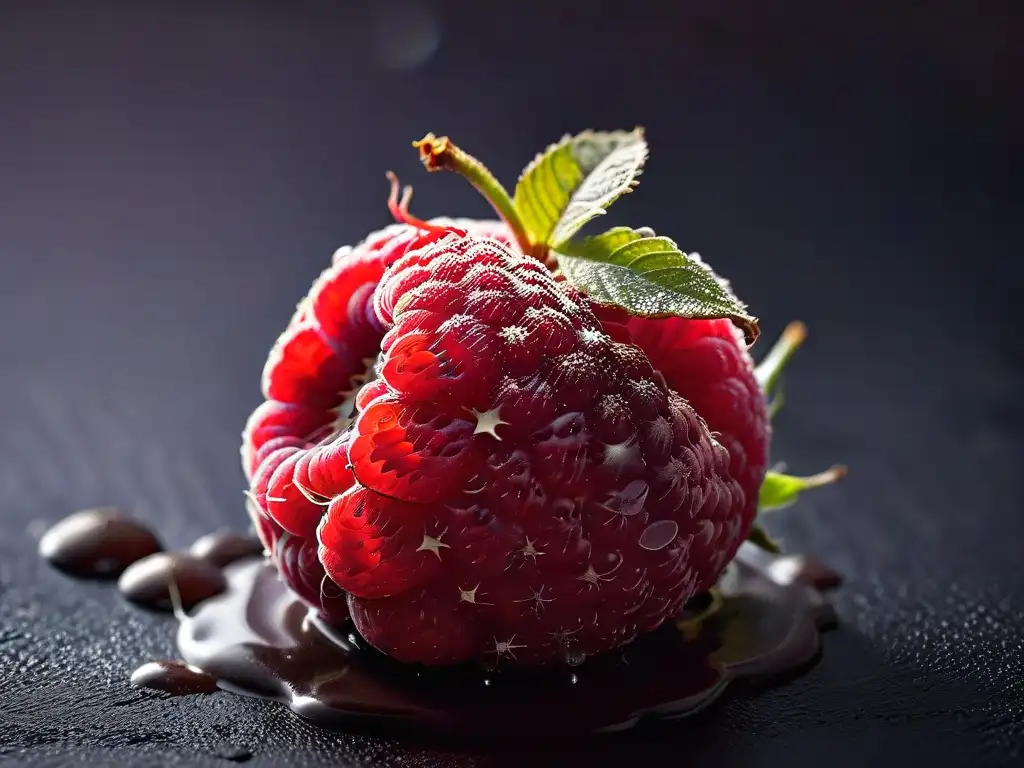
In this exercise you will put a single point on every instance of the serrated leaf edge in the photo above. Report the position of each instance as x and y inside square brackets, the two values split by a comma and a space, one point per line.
[532, 201]
[745, 321]
[601, 208]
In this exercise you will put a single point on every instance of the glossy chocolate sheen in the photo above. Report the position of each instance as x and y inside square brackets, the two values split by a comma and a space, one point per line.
[224, 547]
[97, 543]
[151, 582]
[259, 639]
[173, 677]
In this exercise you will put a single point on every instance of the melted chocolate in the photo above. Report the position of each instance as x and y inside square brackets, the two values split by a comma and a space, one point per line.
[225, 547]
[794, 569]
[250, 634]
[148, 581]
[259, 639]
[97, 543]
[800, 569]
[173, 677]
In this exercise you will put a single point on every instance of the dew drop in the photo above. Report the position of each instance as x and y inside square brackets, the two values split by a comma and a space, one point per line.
[659, 535]
[630, 500]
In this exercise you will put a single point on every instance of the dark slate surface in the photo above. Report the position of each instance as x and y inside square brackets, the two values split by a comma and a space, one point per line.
[172, 176]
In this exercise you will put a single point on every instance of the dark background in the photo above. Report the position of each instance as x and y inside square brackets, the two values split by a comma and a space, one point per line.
[173, 175]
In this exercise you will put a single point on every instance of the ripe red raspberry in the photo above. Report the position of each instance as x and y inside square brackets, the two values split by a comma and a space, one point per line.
[309, 382]
[341, 300]
[517, 486]
[492, 467]
[707, 362]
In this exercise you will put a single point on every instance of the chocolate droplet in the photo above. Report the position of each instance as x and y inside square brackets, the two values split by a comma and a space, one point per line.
[225, 547]
[174, 677]
[97, 543]
[147, 582]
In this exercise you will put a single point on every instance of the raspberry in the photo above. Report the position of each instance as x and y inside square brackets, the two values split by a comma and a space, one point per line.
[281, 437]
[491, 466]
[309, 382]
[520, 487]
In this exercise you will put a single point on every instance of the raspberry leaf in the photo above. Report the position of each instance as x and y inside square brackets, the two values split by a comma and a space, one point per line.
[575, 180]
[779, 491]
[649, 276]
[441, 154]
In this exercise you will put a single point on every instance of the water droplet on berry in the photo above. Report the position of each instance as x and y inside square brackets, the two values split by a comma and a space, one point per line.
[630, 500]
[659, 535]
[575, 658]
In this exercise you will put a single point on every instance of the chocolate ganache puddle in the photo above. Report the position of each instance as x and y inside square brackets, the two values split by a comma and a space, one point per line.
[259, 639]
[249, 634]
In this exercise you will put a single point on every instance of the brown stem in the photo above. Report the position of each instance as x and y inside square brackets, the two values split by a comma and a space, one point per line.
[440, 154]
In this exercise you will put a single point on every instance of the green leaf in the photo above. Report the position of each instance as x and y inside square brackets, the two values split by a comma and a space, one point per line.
[575, 180]
[779, 491]
[647, 275]
[759, 537]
